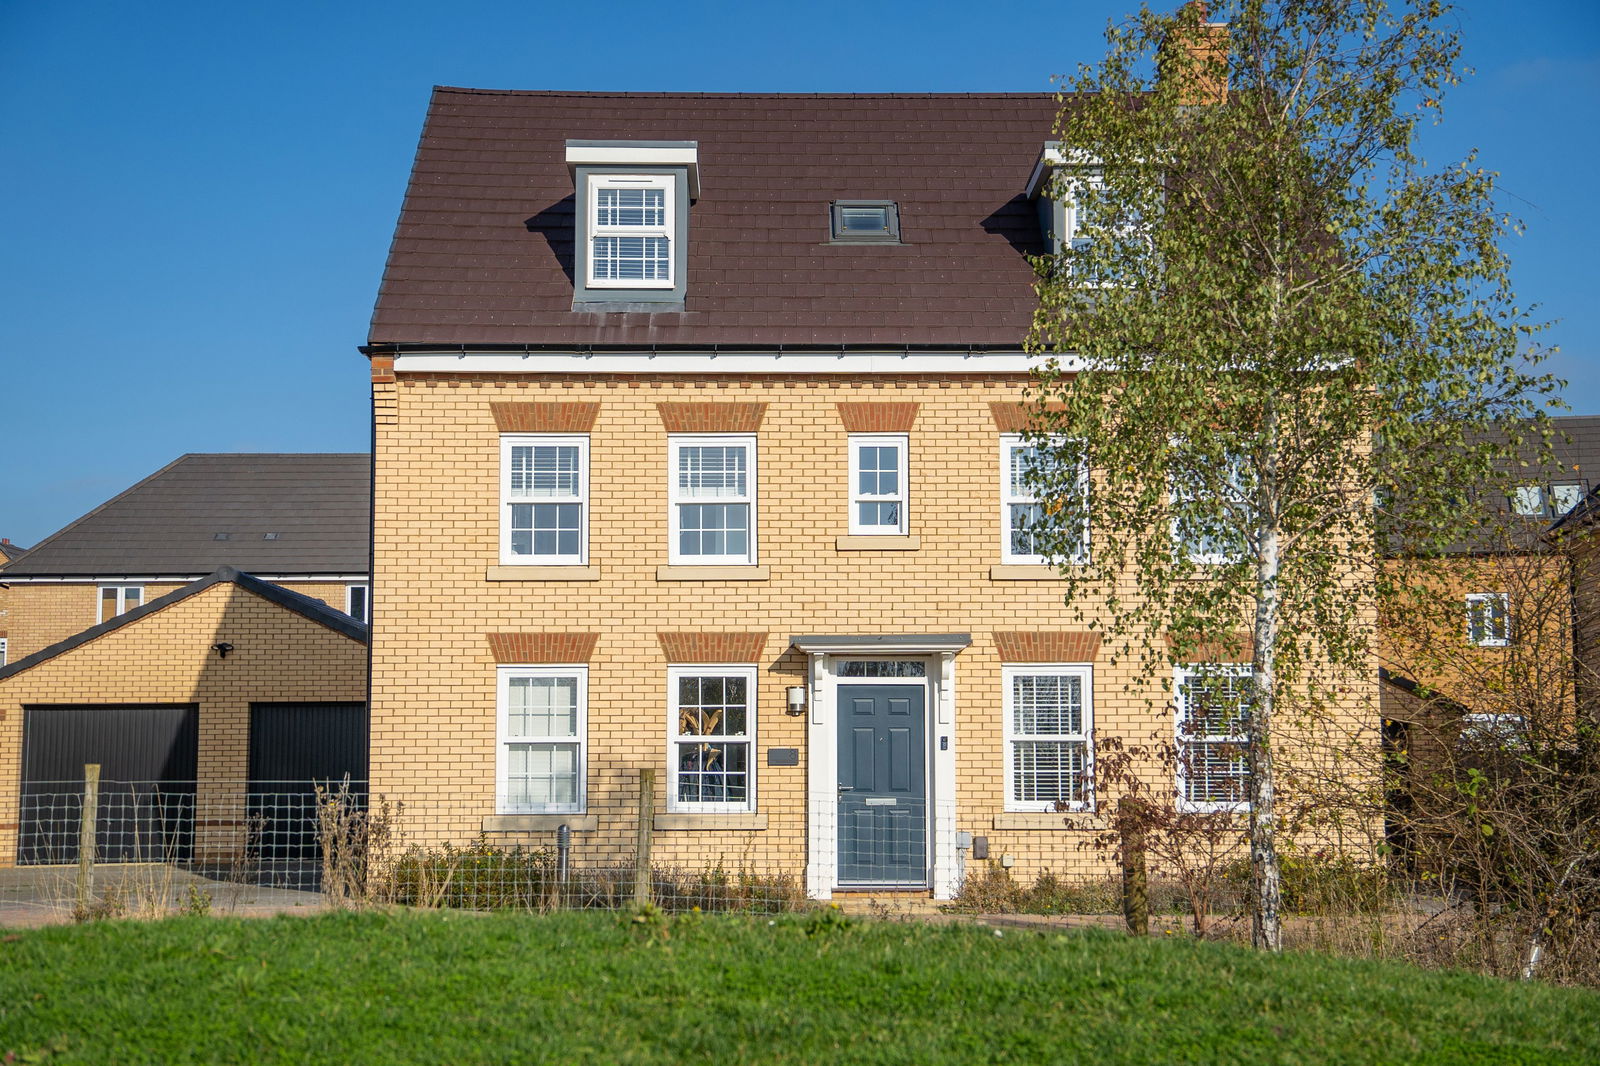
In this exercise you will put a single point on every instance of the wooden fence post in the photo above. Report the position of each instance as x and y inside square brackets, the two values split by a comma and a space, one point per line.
[86, 834]
[1135, 888]
[641, 856]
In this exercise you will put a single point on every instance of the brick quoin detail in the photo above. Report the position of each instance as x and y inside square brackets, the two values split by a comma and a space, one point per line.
[1048, 646]
[1015, 417]
[545, 417]
[877, 417]
[712, 647]
[542, 647]
[1234, 648]
[712, 417]
[382, 369]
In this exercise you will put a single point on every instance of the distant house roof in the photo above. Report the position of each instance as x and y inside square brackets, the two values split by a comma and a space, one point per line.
[10, 553]
[483, 253]
[315, 610]
[263, 513]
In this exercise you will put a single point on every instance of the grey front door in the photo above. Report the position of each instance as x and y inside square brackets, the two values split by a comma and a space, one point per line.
[883, 798]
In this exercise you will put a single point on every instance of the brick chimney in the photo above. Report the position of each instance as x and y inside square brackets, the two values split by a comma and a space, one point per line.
[1198, 56]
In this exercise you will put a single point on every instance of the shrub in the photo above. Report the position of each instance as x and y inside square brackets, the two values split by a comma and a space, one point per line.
[480, 876]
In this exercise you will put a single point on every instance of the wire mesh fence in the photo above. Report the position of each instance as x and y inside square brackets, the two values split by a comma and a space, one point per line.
[310, 844]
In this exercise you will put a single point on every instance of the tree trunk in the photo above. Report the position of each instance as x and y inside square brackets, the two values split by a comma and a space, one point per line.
[1266, 930]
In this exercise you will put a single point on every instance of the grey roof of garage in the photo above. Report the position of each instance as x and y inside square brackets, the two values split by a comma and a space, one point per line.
[317, 505]
[315, 610]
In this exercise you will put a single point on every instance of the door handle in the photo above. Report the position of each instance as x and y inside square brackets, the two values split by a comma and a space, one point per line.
[846, 788]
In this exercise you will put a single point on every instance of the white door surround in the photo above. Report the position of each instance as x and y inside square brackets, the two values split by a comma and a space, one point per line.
[824, 654]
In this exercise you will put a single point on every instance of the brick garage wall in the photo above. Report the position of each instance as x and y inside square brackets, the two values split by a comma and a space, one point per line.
[437, 469]
[42, 615]
[166, 658]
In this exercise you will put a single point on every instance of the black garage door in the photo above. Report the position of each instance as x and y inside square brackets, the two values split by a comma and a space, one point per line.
[295, 747]
[147, 773]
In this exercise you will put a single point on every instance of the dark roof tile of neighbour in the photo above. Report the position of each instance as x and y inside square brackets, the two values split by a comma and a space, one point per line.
[483, 252]
[167, 524]
[10, 553]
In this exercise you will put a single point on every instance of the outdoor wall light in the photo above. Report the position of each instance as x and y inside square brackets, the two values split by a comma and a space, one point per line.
[222, 648]
[797, 699]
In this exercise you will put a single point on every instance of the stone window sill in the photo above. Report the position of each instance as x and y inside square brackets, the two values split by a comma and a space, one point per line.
[543, 573]
[1022, 572]
[1037, 820]
[540, 823]
[710, 822]
[877, 544]
[713, 573]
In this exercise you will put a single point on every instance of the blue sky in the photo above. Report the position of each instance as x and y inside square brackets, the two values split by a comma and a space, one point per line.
[196, 198]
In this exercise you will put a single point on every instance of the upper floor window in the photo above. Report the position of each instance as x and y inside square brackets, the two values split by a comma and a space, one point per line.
[1024, 467]
[357, 601]
[544, 499]
[1489, 619]
[119, 599]
[712, 495]
[543, 734]
[1213, 729]
[713, 716]
[631, 231]
[864, 221]
[1202, 529]
[1048, 728]
[878, 484]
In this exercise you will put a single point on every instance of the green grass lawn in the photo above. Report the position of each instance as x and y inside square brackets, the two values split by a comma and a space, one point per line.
[591, 988]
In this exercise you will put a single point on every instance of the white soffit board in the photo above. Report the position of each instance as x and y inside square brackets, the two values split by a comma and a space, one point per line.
[622, 154]
[955, 362]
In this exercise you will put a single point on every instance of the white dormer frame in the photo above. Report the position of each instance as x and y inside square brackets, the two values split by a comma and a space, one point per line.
[657, 251]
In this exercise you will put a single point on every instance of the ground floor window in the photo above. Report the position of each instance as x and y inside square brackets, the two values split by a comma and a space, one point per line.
[711, 720]
[543, 725]
[1214, 701]
[1049, 725]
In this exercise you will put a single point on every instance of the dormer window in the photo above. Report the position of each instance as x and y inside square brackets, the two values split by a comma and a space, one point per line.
[632, 223]
[864, 222]
[631, 231]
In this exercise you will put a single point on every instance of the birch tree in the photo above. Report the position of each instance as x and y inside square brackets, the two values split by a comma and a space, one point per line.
[1268, 320]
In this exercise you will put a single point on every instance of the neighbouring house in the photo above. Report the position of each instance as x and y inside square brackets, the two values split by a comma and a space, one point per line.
[207, 707]
[298, 520]
[9, 553]
[202, 636]
[708, 410]
[1578, 532]
[1484, 641]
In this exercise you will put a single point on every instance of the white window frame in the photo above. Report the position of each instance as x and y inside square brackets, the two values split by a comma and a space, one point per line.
[1008, 443]
[1182, 674]
[122, 591]
[1085, 675]
[1073, 184]
[2, 651]
[366, 601]
[676, 499]
[747, 738]
[504, 739]
[1489, 639]
[664, 231]
[1181, 543]
[510, 441]
[900, 441]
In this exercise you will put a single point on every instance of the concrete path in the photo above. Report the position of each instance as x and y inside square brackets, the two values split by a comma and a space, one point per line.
[32, 896]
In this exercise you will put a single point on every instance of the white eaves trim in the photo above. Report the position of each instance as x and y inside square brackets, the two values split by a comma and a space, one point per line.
[623, 154]
[1052, 156]
[643, 362]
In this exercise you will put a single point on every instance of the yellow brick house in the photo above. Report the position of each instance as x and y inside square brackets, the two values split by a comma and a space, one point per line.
[708, 409]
